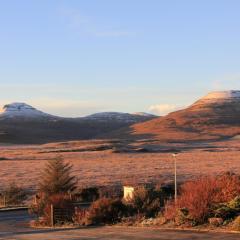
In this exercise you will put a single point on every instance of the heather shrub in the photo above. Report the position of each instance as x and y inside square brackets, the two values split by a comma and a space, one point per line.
[148, 201]
[38, 208]
[201, 196]
[87, 194]
[105, 211]
[235, 203]
[223, 211]
[236, 224]
[182, 216]
[215, 221]
[170, 210]
[79, 216]
[227, 210]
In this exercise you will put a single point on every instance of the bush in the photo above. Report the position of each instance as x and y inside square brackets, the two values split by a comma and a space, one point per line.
[229, 210]
[105, 211]
[38, 208]
[215, 221]
[236, 224]
[223, 211]
[182, 216]
[235, 203]
[200, 196]
[14, 195]
[87, 195]
[148, 201]
[80, 216]
[227, 187]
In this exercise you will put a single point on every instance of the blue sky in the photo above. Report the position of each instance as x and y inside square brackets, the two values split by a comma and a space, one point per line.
[73, 58]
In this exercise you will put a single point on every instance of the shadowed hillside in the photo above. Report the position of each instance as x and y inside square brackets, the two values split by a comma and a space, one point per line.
[23, 124]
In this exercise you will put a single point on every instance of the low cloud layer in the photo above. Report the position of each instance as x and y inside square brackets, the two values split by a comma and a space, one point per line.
[162, 109]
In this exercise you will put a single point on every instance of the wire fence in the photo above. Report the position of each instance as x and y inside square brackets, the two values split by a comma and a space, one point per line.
[9, 201]
[62, 215]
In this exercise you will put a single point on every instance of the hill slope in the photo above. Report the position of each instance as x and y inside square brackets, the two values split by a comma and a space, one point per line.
[214, 117]
[22, 124]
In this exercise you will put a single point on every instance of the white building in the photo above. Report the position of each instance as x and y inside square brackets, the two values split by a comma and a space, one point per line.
[128, 192]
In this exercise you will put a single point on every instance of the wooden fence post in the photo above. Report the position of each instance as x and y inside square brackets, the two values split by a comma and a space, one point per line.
[52, 215]
[35, 200]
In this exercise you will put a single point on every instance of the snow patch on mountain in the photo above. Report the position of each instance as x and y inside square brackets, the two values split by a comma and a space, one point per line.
[24, 111]
[223, 95]
[219, 97]
[144, 114]
[109, 116]
[118, 116]
[21, 110]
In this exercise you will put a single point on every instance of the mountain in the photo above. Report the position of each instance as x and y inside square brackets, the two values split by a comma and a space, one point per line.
[120, 117]
[23, 111]
[213, 117]
[21, 123]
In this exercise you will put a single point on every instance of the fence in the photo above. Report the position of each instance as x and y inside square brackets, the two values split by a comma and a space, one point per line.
[11, 201]
[61, 215]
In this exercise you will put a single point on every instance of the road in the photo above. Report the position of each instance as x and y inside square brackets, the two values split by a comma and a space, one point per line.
[13, 222]
[13, 225]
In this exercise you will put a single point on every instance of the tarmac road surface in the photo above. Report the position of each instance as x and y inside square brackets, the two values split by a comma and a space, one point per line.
[14, 225]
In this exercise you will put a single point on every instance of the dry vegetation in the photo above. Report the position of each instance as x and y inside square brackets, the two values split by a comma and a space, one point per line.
[23, 164]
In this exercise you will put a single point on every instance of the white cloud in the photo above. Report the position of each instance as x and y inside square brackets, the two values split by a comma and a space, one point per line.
[162, 109]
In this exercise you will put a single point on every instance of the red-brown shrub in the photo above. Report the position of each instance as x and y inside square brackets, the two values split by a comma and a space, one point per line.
[198, 197]
[229, 187]
[80, 216]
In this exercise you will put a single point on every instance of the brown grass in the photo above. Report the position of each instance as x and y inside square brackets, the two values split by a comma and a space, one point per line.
[24, 163]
